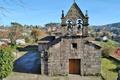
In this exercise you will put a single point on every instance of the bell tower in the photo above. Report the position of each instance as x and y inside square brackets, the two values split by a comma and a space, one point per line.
[74, 23]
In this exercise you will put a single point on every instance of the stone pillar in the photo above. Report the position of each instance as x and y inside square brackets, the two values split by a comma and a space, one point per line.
[42, 66]
[82, 67]
[42, 62]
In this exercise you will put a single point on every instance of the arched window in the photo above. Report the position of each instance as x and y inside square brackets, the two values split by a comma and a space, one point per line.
[79, 24]
[69, 25]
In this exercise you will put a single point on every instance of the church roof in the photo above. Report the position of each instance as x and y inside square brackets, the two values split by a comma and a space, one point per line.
[47, 39]
[74, 12]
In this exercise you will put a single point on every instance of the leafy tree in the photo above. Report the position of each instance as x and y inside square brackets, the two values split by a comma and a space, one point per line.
[52, 25]
[6, 62]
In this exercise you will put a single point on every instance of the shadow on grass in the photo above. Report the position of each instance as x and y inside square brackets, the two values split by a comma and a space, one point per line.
[28, 48]
[113, 70]
[29, 62]
[116, 62]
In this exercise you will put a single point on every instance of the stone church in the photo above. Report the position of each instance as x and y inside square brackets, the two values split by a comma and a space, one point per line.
[73, 51]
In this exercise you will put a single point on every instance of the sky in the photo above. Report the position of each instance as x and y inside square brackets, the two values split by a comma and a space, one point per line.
[40, 12]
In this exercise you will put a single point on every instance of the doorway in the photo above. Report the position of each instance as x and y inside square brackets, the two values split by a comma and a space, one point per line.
[74, 66]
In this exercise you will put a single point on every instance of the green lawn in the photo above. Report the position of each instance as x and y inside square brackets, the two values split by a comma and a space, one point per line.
[108, 69]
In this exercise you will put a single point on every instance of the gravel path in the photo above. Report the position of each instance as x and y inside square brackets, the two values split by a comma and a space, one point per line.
[23, 76]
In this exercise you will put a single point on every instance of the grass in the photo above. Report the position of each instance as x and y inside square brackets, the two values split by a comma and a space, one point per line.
[109, 47]
[108, 43]
[109, 65]
[108, 69]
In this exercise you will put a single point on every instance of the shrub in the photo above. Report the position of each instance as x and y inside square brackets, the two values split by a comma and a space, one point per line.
[108, 48]
[6, 62]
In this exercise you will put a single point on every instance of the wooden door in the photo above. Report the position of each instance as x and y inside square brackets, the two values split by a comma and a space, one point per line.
[74, 66]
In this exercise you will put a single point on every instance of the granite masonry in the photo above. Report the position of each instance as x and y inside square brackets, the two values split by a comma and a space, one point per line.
[72, 52]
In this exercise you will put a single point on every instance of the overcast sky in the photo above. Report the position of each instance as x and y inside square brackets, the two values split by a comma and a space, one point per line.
[40, 12]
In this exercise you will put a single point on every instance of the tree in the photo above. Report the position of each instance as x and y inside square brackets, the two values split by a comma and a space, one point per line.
[6, 62]
[52, 25]
[15, 32]
[36, 33]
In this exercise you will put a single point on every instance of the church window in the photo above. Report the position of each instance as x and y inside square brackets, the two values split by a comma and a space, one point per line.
[74, 45]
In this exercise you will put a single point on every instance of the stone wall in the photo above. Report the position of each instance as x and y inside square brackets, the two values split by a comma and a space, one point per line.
[60, 53]
[54, 60]
[92, 60]
[42, 46]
